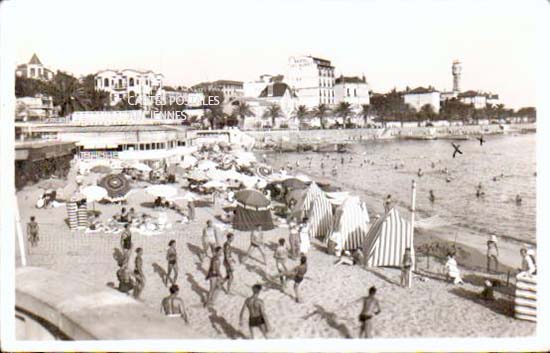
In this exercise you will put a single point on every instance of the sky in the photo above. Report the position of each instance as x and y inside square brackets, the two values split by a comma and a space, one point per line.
[393, 43]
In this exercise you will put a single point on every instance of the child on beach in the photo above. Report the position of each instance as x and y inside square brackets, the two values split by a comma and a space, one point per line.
[371, 308]
[406, 265]
[32, 232]
[452, 271]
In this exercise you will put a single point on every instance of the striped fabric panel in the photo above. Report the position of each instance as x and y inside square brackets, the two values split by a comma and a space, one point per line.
[82, 216]
[320, 218]
[72, 214]
[387, 239]
[312, 194]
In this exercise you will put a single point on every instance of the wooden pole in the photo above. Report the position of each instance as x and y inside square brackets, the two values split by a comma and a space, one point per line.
[411, 241]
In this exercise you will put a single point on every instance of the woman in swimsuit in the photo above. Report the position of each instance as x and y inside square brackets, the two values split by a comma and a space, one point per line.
[172, 305]
[298, 273]
[256, 313]
[214, 276]
[172, 258]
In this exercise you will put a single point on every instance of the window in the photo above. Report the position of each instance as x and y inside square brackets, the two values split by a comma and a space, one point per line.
[131, 82]
[120, 95]
[106, 82]
[32, 72]
[120, 82]
[347, 92]
[137, 82]
[355, 92]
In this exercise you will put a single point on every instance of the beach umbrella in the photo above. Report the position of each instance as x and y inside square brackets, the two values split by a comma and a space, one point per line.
[303, 178]
[294, 183]
[206, 165]
[252, 198]
[165, 191]
[94, 193]
[188, 162]
[101, 169]
[264, 171]
[117, 185]
[215, 184]
[142, 167]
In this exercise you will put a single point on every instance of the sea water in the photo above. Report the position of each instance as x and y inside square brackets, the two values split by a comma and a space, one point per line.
[504, 165]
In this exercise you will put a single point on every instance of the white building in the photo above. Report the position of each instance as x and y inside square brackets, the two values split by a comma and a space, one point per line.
[478, 99]
[254, 88]
[183, 97]
[421, 96]
[34, 108]
[121, 84]
[231, 89]
[281, 94]
[353, 90]
[312, 79]
[34, 69]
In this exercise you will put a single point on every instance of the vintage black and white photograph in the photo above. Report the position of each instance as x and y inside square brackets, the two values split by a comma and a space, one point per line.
[253, 170]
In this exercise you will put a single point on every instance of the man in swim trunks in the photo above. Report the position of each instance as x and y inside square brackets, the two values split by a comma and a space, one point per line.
[371, 307]
[173, 306]
[281, 255]
[209, 239]
[172, 258]
[32, 232]
[228, 261]
[298, 273]
[126, 242]
[256, 313]
[256, 242]
[125, 280]
[138, 273]
[214, 276]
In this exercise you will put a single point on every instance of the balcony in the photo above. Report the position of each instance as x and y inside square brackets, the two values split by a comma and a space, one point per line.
[121, 87]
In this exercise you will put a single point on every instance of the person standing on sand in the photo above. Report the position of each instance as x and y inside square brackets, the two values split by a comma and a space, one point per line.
[209, 239]
[388, 203]
[126, 242]
[138, 273]
[298, 274]
[125, 280]
[257, 316]
[294, 240]
[406, 265]
[172, 259]
[281, 255]
[228, 261]
[492, 253]
[371, 308]
[432, 196]
[191, 210]
[172, 305]
[256, 242]
[214, 276]
[32, 232]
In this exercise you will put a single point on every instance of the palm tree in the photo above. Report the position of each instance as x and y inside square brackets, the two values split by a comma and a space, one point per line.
[321, 111]
[300, 113]
[365, 113]
[68, 93]
[273, 112]
[242, 110]
[344, 111]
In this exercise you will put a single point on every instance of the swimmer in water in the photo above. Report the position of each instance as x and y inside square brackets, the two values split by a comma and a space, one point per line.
[420, 172]
[518, 200]
[322, 165]
[479, 190]
[342, 160]
[433, 165]
[432, 196]
[334, 171]
[448, 180]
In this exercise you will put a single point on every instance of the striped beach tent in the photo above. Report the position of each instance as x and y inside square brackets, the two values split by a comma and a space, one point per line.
[320, 217]
[525, 301]
[82, 215]
[72, 210]
[313, 192]
[387, 240]
[351, 224]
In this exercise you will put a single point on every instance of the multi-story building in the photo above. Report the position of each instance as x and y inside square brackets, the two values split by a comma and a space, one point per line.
[353, 90]
[122, 84]
[34, 69]
[312, 79]
[421, 96]
[34, 108]
[231, 89]
[281, 94]
[254, 88]
[478, 99]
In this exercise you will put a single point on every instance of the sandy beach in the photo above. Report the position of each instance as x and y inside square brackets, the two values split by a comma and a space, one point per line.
[431, 308]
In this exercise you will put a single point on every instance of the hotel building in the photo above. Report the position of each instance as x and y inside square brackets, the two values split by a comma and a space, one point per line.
[421, 96]
[312, 79]
[353, 90]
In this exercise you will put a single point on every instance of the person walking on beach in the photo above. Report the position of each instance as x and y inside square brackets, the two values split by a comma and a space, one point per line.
[256, 242]
[492, 253]
[32, 232]
[432, 196]
[214, 276]
[228, 262]
[406, 265]
[294, 240]
[304, 236]
[209, 239]
[138, 273]
[126, 242]
[172, 259]
[172, 305]
[191, 211]
[257, 316]
[298, 274]
[371, 308]
[281, 255]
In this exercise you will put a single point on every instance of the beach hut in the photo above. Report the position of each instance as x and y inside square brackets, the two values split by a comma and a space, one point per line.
[525, 301]
[320, 216]
[351, 224]
[387, 239]
[252, 210]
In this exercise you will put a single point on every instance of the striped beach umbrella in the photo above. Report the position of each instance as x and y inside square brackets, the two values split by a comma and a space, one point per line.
[117, 185]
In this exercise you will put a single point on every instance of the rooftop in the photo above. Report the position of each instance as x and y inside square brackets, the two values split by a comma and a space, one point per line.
[34, 60]
[277, 89]
[350, 79]
[421, 90]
